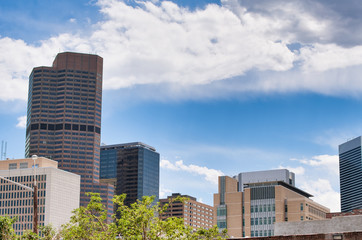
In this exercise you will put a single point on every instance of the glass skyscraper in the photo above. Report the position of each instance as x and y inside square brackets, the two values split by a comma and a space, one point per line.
[133, 168]
[64, 118]
[350, 173]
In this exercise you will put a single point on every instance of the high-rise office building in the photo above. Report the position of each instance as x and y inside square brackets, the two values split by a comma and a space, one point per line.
[133, 168]
[195, 214]
[350, 174]
[249, 204]
[58, 192]
[64, 118]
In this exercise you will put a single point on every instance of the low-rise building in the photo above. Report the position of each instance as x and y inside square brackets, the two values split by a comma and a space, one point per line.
[352, 223]
[58, 192]
[342, 214]
[249, 204]
[195, 214]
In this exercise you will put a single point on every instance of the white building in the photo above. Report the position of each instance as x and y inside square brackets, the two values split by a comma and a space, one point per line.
[58, 192]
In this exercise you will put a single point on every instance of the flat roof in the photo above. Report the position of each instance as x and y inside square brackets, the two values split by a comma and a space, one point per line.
[128, 145]
[280, 183]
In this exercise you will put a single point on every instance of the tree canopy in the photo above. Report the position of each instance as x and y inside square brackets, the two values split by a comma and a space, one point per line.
[139, 221]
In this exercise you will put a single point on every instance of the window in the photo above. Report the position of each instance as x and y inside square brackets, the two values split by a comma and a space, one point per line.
[221, 224]
[301, 207]
[23, 165]
[301, 218]
[12, 166]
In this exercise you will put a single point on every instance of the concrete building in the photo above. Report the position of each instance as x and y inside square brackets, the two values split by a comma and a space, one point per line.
[58, 192]
[64, 118]
[195, 214]
[134, 168]
[333, 225]
[268, 198]
[350, 174]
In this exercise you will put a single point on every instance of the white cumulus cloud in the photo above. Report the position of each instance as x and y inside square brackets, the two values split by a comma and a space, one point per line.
[297, 170]
[319, 176]
[21, 122]
[330, 162]
[161, 44]
[164, 192]
[323, 193]
[210, 175]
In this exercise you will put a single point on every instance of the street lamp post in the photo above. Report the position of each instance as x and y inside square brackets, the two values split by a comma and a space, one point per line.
[35, 198]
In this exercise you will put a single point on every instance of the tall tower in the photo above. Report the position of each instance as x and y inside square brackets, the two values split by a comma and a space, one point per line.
[64, 117]
[133, 168]
[350, 174]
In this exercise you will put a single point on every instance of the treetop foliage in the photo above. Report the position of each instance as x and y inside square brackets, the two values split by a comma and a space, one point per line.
[139, 221]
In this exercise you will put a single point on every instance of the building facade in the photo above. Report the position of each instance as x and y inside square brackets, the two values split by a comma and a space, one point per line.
[269, 198]
[134, 168]
[350, 174]
[58, 193]
[64, 118]
[195, 214]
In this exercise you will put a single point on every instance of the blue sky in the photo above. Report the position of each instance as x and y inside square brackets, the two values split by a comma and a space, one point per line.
[217, 87]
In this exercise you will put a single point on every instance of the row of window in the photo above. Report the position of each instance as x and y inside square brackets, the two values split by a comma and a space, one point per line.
[62, 71]
[86, 101]
[59, 94]
[262, 208]
[17, 210]
[262, 233]
[42, 133]
[5, 202]
[262, 221]
[66, 126]
[83, 96]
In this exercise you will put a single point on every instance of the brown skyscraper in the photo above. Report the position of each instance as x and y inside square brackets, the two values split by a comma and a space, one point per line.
[64, 118]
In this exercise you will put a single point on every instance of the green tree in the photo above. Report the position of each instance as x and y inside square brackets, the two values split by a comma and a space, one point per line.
[29, 235]
[49, 233]
[89, 222]
[6, 227]
[139, 221]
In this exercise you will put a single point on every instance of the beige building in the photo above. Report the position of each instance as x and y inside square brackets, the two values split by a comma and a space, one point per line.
[58, 192]
[269, 198]
[195, 214]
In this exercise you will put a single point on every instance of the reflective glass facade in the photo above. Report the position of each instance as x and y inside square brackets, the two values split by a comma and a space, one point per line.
[108, 164]
[137, 169]
[350, 169]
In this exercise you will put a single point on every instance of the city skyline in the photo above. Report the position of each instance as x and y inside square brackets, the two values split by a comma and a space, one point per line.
[217, 87]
